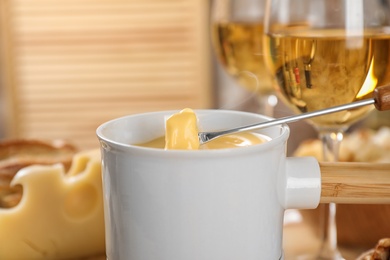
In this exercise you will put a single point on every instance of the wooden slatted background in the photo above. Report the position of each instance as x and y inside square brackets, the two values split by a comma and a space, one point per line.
[75, 64]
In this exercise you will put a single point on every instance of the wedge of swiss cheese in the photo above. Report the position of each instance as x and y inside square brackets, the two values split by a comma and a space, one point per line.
[60, 215]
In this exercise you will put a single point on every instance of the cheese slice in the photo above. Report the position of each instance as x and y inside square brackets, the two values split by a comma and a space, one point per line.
[60, 215]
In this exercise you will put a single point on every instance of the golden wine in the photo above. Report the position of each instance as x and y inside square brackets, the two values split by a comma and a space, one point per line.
[322, 68]
[239, 47]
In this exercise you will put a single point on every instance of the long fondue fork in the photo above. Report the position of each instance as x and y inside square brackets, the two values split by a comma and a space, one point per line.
[381, 100]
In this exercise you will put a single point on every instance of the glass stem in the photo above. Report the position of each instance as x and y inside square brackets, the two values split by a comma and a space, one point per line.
[331, 146]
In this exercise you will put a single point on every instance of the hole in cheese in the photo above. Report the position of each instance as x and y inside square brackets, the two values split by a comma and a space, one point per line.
[80, 201]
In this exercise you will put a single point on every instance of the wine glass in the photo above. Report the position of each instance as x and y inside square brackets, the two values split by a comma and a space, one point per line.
[237, 38]
[325, 53]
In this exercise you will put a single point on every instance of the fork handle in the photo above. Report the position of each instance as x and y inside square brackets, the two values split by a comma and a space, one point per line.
[382, 98]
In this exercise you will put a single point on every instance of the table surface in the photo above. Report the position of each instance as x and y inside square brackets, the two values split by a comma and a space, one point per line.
[300, 243]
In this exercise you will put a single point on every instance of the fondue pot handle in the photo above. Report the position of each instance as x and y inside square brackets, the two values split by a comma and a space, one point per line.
[355, 183]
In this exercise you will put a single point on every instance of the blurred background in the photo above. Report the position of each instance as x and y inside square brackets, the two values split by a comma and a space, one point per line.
[68, 66]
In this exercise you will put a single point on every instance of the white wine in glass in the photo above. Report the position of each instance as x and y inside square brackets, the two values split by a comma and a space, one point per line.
[320, 68]
[237, 37]
[325, 53]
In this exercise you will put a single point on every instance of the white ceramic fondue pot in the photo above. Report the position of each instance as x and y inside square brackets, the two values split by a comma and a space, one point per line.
[223, 204]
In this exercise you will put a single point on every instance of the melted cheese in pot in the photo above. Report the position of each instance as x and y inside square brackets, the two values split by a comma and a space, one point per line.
[60, 215]
[235, 140]
[181, 133]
